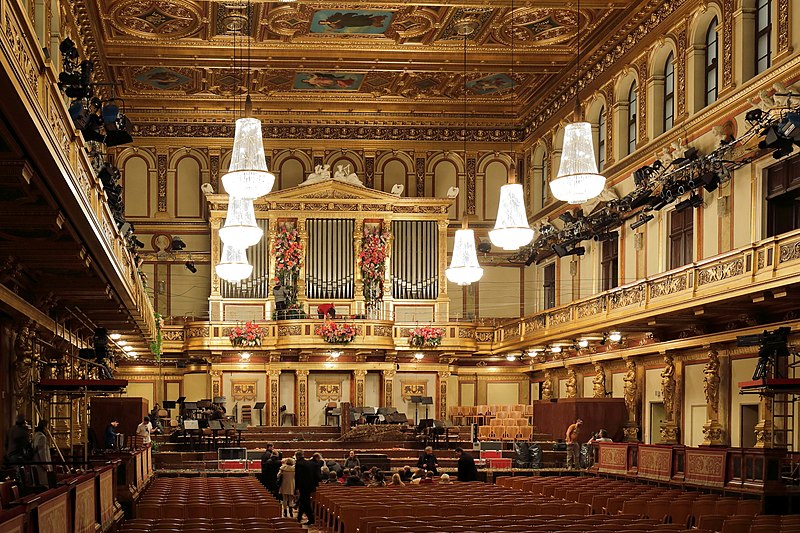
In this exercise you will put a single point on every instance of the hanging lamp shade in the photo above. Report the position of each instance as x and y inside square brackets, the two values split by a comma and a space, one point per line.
[233, 265]
[578, 180]
[240, 229]
[511, 228]
[464, 268]
[247, 175]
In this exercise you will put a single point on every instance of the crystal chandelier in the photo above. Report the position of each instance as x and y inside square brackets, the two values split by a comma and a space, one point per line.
[464, 268]
[240, 229]
[247, 175]
[234, 266]
[577, 180]
[511, 228]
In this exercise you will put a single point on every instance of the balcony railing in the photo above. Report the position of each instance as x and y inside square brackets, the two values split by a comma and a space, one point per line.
[36, 85]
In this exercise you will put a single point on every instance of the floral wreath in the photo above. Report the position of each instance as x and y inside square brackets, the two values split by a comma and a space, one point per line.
[337, 332]
[425, 336]
[248, 335]
[372, 261]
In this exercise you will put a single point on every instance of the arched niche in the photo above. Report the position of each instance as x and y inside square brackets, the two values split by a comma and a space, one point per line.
[705, 38]
[395, 172]
[291, 174]
[445, 175]
[495, 175]
[136, 188]
[596, 115]
[662, 88]
[626, 132]
[187, 197]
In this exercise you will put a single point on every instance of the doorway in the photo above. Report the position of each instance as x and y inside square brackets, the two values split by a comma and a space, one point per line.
[657, 417]
[749, 420]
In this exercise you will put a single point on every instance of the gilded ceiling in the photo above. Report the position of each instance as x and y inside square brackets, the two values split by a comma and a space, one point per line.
[390, 59]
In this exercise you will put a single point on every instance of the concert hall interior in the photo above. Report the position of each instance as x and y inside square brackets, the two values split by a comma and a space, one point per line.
[256, 256]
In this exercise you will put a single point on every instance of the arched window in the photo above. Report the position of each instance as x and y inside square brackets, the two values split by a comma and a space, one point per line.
[601, 139]
[669, 93]
[711, 62]
[763, 35]
[545, 180]
[632, 119]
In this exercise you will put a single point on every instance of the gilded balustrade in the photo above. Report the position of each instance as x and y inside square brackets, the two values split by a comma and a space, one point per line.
[35, 81]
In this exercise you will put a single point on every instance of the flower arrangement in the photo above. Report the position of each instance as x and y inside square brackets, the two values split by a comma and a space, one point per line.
[425, 336]
[288, 252]
[248, 335]
[336, 332]
[155, 346]
[372, 261]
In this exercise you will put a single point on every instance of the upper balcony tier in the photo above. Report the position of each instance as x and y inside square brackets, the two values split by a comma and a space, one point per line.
[715, 297]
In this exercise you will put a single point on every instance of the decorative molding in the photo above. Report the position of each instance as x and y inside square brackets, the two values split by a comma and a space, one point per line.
[721, 271]
[471, 185]
[162, 183]
[728, 10]
[412, 388]
[369, 172]
[419, 164]
[244, 390]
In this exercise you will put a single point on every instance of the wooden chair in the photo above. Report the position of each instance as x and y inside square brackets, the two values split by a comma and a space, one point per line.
[710, 522]
[483, 432]
[247, 414]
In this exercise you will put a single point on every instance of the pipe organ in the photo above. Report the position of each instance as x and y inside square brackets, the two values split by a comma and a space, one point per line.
[330, 218]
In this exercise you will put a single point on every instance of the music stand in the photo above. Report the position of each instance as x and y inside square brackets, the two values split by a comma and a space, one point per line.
[180, 399]
[416, 400]
[426, 401]
[260, 407]
[169, 404]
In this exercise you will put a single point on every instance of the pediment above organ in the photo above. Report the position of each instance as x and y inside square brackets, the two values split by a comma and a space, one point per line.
[331, 196]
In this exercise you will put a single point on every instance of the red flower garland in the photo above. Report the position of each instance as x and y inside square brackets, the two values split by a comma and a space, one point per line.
[425, 336]
[248, 335]
[337, 332]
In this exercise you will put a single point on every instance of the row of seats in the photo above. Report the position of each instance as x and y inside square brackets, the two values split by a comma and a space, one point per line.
[612, 497]
[210, 498]
[204, 525]
[9, 492]
[339, 509]
[506, 433]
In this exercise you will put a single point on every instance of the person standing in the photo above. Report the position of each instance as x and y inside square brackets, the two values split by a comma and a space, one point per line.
[287, 487]
[270, 466]
[111, 434]
[467, 471]
[143, 430]
[41, 453]
[306, 481]
[18, 444]
[573, 445]
[428, 461]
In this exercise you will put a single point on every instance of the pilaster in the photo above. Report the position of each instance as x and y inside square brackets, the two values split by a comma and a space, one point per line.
[388, 387]
[359, 382]
[441, 394]
[301, 392]
[273, 397]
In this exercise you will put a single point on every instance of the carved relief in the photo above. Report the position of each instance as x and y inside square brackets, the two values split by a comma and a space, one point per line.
[783, 25]
[626, 297]
[302, 397]
[369, 172]
[711, 380]
[721, 271]
[559, 317]
[789, 252]
[470, 208]
[668, 285]
[728, 10]
[419, 164]
[162, 183]
[593, 307]
[171, 19]
[484, 336]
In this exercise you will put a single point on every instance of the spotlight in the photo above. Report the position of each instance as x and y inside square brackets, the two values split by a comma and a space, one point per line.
[125, 229]
[657, 202]
[561, 250]
[190, 267]
[532, 258]
[118, 126]
[693, 201]
[615, 336]
[583, 343]
[754, 116]
[791, 126]
[607, 236]
[177, 244]
[419, 356]
[137, 243]
[485, 247]
[710, 180]
[643, 219]
[511, 358]
[555, 349]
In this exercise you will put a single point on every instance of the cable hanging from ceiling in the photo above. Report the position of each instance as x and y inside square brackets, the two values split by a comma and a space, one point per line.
[578, 180]
[511, 228]
[247, 179]
[464, 268]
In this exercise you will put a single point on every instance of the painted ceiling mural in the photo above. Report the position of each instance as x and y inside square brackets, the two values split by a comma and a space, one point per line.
[304, 54]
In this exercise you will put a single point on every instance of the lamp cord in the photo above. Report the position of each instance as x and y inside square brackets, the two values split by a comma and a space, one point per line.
[578, 114]
[464, 131]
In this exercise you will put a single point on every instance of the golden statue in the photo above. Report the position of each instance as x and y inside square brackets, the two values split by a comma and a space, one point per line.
[599, 381]
[547, 386]
[668, 387]
[711, 383]
[630, 388]
[572, 383]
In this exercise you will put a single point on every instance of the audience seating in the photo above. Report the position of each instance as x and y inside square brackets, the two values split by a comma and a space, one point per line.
[207, 498]
[206, 525]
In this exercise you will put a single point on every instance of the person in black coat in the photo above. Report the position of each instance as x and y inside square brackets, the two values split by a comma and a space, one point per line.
[428, 461]
[467, 471]
[269, 472]
[305, 482]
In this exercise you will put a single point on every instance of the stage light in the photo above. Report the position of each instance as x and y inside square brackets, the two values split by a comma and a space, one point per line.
[555, 349]
[419, 356]
[190, 267]
[561, 250]
[710, 180]
[754, 116]
[791, 126]
[583, 343]
[693, 201]
[643, 219]
[137, 243]
[607, 236]
[177, 244]
[511, 358]
[657, 202]
[615, 336]
[244, 356]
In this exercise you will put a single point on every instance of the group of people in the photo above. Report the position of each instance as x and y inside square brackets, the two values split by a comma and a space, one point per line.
[292, 480]
[22, 449]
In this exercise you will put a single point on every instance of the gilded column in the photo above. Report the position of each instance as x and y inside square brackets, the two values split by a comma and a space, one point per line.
[763, 430]
[669, 429]
[469, 174]
[441, 392]
[213, 168]
[631, 392]
[161, 168]
[358, 238]
[419, 167]
[784, 30]
[24, 363]
[216, 383]
[274, 397]
[712, 429]
[216, 223]
[388, 387]
[302, 234]
[359, 382]
[443, 302]
[301, 390]
[641, 97]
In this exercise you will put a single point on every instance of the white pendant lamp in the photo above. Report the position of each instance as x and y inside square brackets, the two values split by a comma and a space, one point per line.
[248, 176]
[240, 229]
[578, 180]
[511, 228]
[464, 268]
[233, 265]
